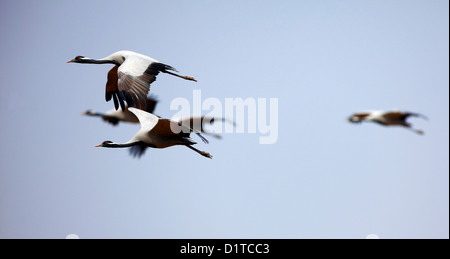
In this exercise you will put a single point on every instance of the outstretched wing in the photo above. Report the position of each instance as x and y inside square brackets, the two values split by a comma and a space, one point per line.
[402, 116]
[153, 125]
[396, 116]
[134, 78]
[197, 123]
[147, 120]
[399, 117]
[168, 128]
[417, 115]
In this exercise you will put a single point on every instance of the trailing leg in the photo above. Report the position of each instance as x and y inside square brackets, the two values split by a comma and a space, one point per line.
[203, 153]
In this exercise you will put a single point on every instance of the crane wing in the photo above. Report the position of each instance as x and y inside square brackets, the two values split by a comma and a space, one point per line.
[147, 120]
[120, 95]
[417, 115]
[197, 123]
[396, 116]
[112, 89]
[138, 150]
[165, 128]
[134, 78]
[112, 120]
[150, 104]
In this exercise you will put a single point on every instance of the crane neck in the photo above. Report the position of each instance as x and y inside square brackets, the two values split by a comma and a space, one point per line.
[119, 145]
[99, 61]
[93, 113]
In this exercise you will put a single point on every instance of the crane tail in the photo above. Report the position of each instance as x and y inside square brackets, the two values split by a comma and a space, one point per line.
[163, 67]
[202, 138]
[167, 69]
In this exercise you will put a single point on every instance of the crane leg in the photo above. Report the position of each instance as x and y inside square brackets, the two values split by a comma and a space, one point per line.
[180, 76]
[203, 153]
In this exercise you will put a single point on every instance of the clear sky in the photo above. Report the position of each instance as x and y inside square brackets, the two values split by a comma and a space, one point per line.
[323, 178]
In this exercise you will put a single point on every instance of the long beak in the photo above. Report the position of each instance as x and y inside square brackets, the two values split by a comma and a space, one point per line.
[98, 145]
[70, 61]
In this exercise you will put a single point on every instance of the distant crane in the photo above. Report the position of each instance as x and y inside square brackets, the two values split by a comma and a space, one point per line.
[197, 123]
[387, 118]
[115, 116]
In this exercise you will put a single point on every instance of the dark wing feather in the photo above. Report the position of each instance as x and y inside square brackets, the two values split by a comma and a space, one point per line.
[116, 101]
[112, 90]
[138, 150]
[111, 83]
[112, 87]
[150, 104]
[417, 115]
[112, 120]
[164, 129]
[198, 123]
[396, 116]
[137, 87]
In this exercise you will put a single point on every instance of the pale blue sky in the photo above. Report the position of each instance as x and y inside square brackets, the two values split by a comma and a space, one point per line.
[324, 178]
